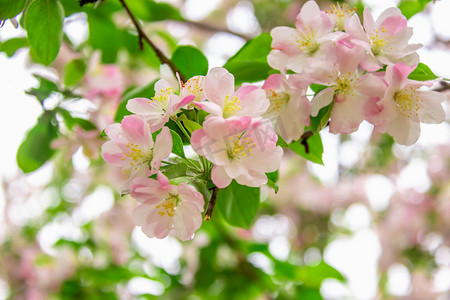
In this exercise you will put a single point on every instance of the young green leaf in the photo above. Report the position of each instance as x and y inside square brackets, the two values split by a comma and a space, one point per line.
[422, 73]
[177, 147]
[35, 150]
[190, 61]
[190, 125]
[174, 171]
[11, 8]
[238, 204]
[74, 72]
[46, 87]
[321, 120]
[314, 149]
[44, 26]
[12, 45]
[411, 7]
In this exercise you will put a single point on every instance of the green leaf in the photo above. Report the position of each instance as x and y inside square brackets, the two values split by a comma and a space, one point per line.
[177, 147]
[11, 8]
[35, 150]
[238, 204]
[190, 61]
[46, 87]
[281, 142]
[422, 73]
[411, 7]
[321, 120]
[174, 171]
[149, 10]
[190, 125]
[44, 26]
[72, 121]
[74, 72]
[273, 185]
[316, 88]
[104, 35]
[12, 45]
[249, 64]
[315, 148]
[312, 276]
[146, 91]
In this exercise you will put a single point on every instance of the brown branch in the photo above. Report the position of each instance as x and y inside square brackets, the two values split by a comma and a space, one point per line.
[142, 36]
[211, 204]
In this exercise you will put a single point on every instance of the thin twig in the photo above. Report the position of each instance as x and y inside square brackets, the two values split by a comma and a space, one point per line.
[211, 204]
[142, 36]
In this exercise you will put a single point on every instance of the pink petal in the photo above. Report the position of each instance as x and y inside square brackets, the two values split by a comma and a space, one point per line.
[273, 82]
[163, 146]
[218, 84]
[322, 99]
[220, 177]
[404, 130]
[210, 107]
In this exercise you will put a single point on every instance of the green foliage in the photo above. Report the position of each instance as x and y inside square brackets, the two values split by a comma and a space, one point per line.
[316, 88]
[238, 204]
[45, 89]
[74, 72]
[190, 61]
[35, 150]
[190, 125]
[71, 121]
[10, 47]
[174, 171]
[44, 26]
[321, 120]
[146, 91]
[177, 147]
[272, 179]
[314, 150]
[249, 64]
[422, 73]
[411, 7]
[150, 11]
[11, 8]
[104, 35]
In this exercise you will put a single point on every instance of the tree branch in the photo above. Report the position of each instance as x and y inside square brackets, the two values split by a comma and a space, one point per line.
[211, 204]
[142, 36]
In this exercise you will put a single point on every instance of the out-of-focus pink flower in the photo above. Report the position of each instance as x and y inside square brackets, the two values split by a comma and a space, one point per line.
[223, 101]
[294, 49]
[404, 106]
[131, 147]
[165, 207]
[161, 107]
[89, 140]
[385, 40]
[349, 89]
[289, 107]
[240, 149]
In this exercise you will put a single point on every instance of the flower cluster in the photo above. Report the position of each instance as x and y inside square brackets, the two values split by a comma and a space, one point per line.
[363, 69]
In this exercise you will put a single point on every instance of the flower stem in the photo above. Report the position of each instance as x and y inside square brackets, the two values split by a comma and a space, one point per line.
[211, 204]
[183, 129]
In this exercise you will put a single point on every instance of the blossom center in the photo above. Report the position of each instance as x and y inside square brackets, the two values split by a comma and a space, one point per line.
[408, 102]
[307, 41]
[194, 86]
[378, 41]
[163, 97]
[168, 206]
[231, 104]
[137, 155]
[277, 102]
[341, 13]
[239, 146]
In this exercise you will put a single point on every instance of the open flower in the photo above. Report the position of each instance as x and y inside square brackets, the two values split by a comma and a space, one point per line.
[161, 107]
[240, 149]
[131, 147]
[223, 101]
[385, 40]
[165, 207]
[404, 106]
[193, 87]
[294, 48]
[289, 107]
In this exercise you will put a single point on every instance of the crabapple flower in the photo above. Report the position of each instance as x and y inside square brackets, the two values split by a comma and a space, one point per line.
[165, 207]
[223, 101]
[340, 14]
[132, 148]
[161, 107]
[385, 40]
[289, 107]
[294, 48]
[349, 89]
[404, 106]
[194, 86]
[240, 148]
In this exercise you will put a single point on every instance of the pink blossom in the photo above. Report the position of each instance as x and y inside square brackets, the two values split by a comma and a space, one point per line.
[385, 40]
[294, 49]
[240, 149]
[165, 207]
[404, 106]
[89, 141]
[161, 107]
[223, 101]
[193, 87]
[340, 13]
[349, 89]
[131, 147]
[289, 108]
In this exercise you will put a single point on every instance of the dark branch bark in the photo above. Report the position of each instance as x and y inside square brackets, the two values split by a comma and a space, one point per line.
[142, 36]
[211, 204]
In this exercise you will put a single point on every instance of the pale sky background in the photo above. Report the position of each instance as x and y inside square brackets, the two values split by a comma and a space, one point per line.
[355, 256]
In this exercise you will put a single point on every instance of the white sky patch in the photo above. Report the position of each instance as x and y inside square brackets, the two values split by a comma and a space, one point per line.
[220, 47]
[328, 173]
[241, 19]
[414, 176]
[76, 28]
[439, 18]
[442, 279]
[141, 285]
[357, 217]
[333, 289]
[93, 205]
[196, 10]
[280, 247]
[379, 190]
[399, 280]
